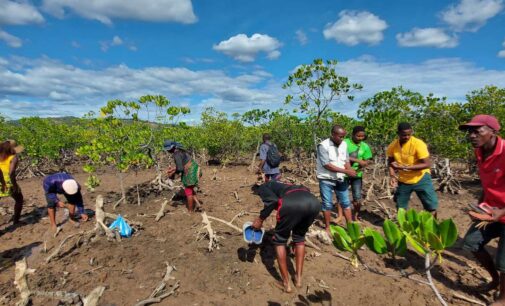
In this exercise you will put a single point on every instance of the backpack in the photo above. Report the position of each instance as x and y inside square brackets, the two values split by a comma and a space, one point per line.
[273, 156]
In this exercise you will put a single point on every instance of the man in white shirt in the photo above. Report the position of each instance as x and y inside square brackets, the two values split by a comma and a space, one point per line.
[332, 167]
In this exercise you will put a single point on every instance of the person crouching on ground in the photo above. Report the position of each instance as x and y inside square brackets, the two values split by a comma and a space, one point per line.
[490, 154]
[9, 185]
[63, 183]
[296, 210]
[187, 167]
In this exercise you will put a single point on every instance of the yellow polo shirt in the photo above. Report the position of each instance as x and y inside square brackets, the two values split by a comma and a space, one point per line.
[408, 155]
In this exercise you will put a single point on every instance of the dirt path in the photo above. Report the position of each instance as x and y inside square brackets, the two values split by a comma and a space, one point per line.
[232, 275]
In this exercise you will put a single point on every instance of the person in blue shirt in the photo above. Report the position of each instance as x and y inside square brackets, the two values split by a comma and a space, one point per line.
[63, 183]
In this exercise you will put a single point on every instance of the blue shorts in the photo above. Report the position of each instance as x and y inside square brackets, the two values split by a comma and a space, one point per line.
[340, 189]
[356, 187]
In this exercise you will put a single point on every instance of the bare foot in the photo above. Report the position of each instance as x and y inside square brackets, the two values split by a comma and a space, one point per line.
[298, 282]
[284, 287]
[498, 303]
[338, 220]
[329, 233]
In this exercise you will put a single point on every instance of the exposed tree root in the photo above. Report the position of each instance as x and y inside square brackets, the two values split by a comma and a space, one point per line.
[235, 194]
[467, 299]
[383, 209]
[56, 253]
[447, 182]
[118, 202]
[225, 222]
[100, 217]
[161, 212]
[213, 240]
[21, 282]
[430, 280]
[160, 292]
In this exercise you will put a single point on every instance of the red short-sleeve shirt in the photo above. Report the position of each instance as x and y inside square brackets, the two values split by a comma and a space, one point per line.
[492, 175]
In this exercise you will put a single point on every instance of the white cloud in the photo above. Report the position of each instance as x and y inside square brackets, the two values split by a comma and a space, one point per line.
[450, 77]
[502, 52]
[75, 91]
[245, 49]
[301, 37]
[471, 15]
[18, 13]
[107, 10]
[46, 87]
[189, 60]
[354, 27]
[10, 40]
[116, 41]
[427, 37]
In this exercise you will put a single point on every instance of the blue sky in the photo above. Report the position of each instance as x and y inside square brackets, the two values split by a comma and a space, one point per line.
[68, 57]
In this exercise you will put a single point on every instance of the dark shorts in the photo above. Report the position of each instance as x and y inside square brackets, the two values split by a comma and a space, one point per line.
[475, 240]
[75, 199]
[424, 190]
[295, 216]
[356, 187]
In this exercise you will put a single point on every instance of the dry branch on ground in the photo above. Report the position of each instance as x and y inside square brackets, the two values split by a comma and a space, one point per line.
[21, 282]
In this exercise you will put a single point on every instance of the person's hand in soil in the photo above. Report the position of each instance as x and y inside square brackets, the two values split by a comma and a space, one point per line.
[257, 224]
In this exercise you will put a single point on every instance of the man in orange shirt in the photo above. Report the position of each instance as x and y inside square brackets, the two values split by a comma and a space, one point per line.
[409, 169]
[490, 153]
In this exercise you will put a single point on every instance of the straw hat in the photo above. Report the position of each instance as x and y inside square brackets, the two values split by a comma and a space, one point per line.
[17, 148]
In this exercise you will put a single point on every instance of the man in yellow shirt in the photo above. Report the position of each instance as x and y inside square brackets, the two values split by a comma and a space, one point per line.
[409, 168]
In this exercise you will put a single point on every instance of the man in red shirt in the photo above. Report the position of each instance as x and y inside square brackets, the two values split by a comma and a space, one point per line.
[482, 132]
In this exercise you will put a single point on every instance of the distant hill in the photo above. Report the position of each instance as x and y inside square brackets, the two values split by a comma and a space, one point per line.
[65, 119]
[72, 119]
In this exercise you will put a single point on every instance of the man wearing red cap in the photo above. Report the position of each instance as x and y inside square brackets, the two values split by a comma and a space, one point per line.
[489, 148]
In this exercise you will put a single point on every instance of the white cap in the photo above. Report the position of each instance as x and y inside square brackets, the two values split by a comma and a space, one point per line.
[70, 186]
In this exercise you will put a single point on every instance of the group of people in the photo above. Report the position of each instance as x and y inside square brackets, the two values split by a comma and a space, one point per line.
[339, 167]
[58, 183]
[340, 164]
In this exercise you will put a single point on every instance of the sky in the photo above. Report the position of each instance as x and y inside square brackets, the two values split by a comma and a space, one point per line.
[69, 57]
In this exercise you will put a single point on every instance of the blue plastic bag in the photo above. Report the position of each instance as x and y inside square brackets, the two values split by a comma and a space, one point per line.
[120, 224]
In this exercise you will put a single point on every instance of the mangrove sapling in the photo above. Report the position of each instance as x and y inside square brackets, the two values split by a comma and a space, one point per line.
[350, 240]
[421, 231]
